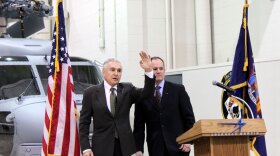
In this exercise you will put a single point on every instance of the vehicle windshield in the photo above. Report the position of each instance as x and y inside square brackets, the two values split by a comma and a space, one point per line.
[83, 77]
[16, 81]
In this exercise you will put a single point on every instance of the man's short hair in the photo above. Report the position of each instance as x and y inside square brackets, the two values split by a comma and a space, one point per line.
[110, 60]
[158, 58]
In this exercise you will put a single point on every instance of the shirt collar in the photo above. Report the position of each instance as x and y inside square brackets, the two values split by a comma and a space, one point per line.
[108, 87]
[161, 84]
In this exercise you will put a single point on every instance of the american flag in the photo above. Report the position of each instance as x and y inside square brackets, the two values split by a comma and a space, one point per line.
[60, 136]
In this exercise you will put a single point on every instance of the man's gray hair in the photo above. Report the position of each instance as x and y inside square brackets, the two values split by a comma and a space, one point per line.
[110, 60]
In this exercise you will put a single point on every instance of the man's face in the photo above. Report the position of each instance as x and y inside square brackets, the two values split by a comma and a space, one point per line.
[112, 73]
[159, 70]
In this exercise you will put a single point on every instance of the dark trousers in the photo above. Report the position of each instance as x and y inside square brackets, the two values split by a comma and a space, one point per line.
[159, 149]
[165, 151]
[117, 148]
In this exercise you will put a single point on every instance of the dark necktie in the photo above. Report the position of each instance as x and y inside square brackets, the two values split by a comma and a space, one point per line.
[157, 94]
[113, 101]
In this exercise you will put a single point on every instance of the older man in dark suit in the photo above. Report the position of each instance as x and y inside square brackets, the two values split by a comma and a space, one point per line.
[108, 105]
[167, 113]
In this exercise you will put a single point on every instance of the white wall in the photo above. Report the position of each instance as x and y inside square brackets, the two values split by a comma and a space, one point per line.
[227, 18]
[206, 98]
[269, 45]
[184, 33]
[84, 29]
[132, 25]
[263, 26]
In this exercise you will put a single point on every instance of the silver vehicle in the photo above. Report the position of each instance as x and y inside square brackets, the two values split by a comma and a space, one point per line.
[23, 92]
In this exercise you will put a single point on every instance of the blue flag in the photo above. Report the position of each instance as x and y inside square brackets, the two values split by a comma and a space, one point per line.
[244, 81]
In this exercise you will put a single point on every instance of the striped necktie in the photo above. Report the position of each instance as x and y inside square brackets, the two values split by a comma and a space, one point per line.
[157, 94]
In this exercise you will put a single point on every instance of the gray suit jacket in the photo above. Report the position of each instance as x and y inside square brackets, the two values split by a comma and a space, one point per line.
[104, 123]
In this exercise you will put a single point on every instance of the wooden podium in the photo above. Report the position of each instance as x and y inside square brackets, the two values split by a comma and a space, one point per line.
[219, 137]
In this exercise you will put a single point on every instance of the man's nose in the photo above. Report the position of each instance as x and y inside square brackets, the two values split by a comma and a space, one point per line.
[116, 72]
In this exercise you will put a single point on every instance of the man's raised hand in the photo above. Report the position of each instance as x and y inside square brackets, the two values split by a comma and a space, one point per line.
[145, 61]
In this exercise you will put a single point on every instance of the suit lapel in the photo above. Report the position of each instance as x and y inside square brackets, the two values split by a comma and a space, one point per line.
[165, 93]
[120, 91]
[101, 98]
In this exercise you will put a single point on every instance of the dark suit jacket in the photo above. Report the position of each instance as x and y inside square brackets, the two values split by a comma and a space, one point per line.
[164, 122]
[94, 106]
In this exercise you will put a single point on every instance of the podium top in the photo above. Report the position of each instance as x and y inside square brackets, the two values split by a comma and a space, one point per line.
[223, 127]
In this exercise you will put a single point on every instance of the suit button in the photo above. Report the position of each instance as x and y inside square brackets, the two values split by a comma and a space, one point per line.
[162, 126]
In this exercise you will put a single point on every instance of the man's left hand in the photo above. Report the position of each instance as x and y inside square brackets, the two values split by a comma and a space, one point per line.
[185, 147]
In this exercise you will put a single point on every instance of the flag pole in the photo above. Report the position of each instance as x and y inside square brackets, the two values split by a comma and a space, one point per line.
[57, 29]
[56, 69]
[245, 6]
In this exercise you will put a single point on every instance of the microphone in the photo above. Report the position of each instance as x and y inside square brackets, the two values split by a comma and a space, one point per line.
[228, 89]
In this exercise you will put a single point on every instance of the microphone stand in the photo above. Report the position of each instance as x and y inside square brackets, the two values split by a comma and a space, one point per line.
[239, 123]
[244, 103]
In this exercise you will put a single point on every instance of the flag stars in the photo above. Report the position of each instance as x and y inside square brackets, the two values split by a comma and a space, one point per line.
[62, 38]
